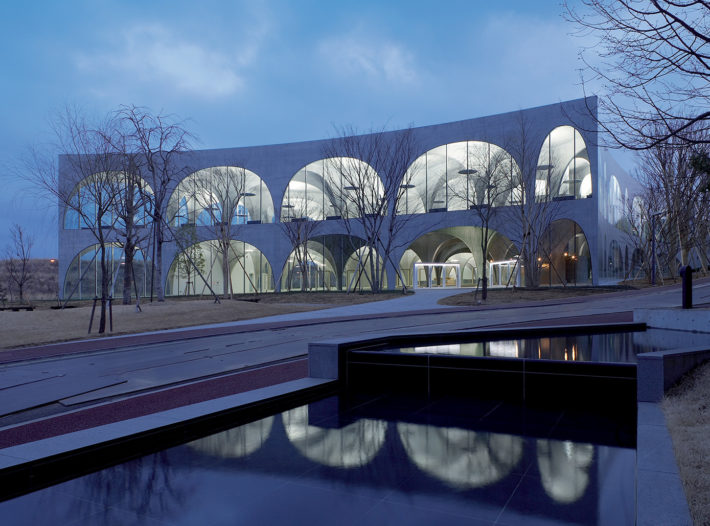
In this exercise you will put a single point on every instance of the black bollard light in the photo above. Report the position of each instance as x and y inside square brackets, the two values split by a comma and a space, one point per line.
[686, 274]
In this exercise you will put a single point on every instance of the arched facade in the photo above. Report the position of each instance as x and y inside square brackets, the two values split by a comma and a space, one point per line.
[333, 188]
[459, 175]
[335, 262]
[460, 247]
[108, 198]
[456, 172]
[221, 194]
[248, 270]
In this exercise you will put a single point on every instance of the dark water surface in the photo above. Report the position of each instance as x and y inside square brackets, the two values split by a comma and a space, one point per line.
[367, 460]
[615, 347]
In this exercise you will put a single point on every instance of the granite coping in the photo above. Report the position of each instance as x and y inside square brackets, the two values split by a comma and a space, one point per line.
[18, 456]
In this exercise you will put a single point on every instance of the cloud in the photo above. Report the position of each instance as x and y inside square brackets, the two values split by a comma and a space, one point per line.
[153, 57]
[377, 60]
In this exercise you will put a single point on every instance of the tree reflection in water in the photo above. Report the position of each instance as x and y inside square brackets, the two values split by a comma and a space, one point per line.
[461, 458]
[238, 442]
[145, 486]
[564, 468]
[351, 446]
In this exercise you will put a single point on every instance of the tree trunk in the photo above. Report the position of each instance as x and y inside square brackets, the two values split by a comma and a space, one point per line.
[225, 270]
[159, 292]
[128, 252]
[104, 289]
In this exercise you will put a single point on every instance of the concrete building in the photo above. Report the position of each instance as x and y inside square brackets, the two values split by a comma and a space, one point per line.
[535, 176]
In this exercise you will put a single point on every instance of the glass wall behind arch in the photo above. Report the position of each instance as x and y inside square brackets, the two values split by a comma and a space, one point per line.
[460, 175]
[83, 277]
[565, 257]
[333, 188]
[119, 194]
[218, 195]
[331, 262]
[248, 270]
[563, 169]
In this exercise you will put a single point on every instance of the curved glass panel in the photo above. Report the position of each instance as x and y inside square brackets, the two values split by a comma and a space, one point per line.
[241, 269]
[334, 188]
[311, 266]
[237, 442]
[563, 169]
[349, 447]
[221, 195]
[459, 457]
[83, 277]
[116, 196]
[461, 175]
[361, 268]
[316, 264]
[565, 255]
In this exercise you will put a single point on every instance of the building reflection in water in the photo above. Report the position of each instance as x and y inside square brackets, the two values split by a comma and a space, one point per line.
[351, 446]
[459, 457]
[621, 347]
[238, 442]
[564, 468]
[462, 467]
[502, 348]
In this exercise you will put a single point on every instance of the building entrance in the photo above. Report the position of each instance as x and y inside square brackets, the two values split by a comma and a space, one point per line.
[437, 275]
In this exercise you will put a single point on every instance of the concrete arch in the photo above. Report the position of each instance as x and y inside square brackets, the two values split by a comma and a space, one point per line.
[457, 175]
[249, 271]
[331, 188]
[107, 191]
[563, 166]
[460, 245]
[83, 277]
[221, 194]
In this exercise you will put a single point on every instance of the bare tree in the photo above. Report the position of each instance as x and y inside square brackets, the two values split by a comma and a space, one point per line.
[486, 184]
[297, 227]
[371, 180]
[190, 259]
[653, 57]
[221, 192]
[159, 140]
[675, 185]
[533, 205]
[131, 208]
[89, 185]
[17, 260]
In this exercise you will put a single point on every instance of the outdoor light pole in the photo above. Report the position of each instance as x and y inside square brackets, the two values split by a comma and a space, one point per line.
[653, 246]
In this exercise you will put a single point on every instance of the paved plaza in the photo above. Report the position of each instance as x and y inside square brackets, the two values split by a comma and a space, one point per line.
[71, 378]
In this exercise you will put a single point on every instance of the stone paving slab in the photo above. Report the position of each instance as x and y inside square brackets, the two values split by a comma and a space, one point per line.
[35, 394]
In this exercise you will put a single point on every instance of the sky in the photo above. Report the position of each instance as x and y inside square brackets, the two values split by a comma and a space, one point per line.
[265, 72]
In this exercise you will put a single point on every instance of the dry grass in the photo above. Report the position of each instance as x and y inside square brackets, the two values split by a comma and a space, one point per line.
[497, 296]
[688, 417]
[46, 325]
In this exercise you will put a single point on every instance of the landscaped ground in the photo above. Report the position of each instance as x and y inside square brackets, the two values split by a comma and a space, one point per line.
[687, 410]
[498, 296]
[46, 325]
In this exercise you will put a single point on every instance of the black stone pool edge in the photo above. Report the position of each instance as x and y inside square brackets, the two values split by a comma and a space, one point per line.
[660, 498]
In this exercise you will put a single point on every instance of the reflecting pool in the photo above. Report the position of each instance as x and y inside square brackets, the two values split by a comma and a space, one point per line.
[612, 347]
[367, 460]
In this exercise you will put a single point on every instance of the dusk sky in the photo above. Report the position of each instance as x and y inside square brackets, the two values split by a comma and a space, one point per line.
[249, 73]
